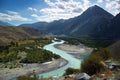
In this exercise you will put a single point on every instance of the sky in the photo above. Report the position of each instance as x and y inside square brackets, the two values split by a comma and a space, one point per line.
[19, 12]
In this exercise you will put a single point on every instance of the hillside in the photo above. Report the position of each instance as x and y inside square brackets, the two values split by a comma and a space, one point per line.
[115, 49]
[7, 34]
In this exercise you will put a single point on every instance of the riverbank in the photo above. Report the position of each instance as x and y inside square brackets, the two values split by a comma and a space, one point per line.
[7, 74]
[75, 50]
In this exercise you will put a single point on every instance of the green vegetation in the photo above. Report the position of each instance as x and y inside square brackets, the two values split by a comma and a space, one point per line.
[93, 64]
[38, 56]
[96, 43]
[25, 51]
[71, 71]
[8, 55]
[70, 40]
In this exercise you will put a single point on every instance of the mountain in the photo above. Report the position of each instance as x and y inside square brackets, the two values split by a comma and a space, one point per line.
[90, 22]
[5, 24]
[113, 29]
[38, 25]
[8, 34]
[52, 27]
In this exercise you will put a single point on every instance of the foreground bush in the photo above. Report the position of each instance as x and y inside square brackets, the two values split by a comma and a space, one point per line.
[92, 64]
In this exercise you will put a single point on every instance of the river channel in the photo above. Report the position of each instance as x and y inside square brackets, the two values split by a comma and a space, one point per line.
[72, 61]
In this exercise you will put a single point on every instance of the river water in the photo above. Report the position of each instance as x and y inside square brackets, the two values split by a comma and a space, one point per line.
[72, 61]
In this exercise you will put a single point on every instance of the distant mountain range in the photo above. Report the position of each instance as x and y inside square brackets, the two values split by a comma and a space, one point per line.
[8, 34]
[95, 22]
[5, 24]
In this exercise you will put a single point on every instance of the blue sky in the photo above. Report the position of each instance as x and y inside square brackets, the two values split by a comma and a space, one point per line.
[29, 11]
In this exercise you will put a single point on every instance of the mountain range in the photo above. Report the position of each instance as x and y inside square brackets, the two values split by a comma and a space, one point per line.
[5, 24]
[95, 22]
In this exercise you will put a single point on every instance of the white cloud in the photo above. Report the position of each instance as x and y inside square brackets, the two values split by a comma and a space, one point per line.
[11, 15]
[99, 1]
[52, 10]
[61, 9]
[32, 9]
[49, 18]
[113, 6]
[86, 4]
[35, 15]
[12, 12]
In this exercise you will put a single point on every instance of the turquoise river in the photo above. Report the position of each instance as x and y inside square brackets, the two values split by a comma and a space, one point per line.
[72, 61]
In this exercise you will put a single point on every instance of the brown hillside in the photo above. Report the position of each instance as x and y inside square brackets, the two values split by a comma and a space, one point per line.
[7, 34]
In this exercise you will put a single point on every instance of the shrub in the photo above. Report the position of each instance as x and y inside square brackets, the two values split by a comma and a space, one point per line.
[92, 65]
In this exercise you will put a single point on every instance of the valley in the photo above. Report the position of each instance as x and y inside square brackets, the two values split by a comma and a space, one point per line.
[64, 49]
[71, 56]
[22, 66]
